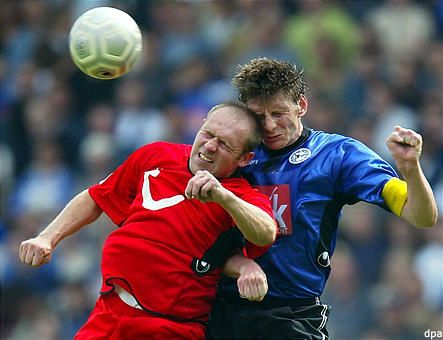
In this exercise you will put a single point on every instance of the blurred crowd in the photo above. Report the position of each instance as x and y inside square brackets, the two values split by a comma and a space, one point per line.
[370, 65]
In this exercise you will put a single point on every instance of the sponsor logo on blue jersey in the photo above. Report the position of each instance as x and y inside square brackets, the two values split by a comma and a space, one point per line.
[280, 198]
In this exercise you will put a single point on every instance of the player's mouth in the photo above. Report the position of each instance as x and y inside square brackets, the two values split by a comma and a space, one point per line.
[272, 138]
[205, 158]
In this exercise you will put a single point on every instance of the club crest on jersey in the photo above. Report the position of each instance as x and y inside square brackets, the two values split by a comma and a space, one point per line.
[324, 260]
[299, 156]
[280, 198]
[201, 267]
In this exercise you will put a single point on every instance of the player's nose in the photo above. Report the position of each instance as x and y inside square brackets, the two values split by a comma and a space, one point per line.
[212, 144]
[269, 123]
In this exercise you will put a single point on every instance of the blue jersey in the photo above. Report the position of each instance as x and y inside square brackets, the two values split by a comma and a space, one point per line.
[308, 183]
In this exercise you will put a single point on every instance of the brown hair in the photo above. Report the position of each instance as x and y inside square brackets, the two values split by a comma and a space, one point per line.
[263, 77]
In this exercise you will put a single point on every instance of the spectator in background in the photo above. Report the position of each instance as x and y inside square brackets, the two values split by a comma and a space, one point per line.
[386, 112]
[221, 21]
[97, 154]
[6, 174]
[358, 78]
[176, 22]
[26, 22]
[365, 241]
[309, 176]
[428, 265]
[431, 125]
[165, 238]
[403, 27]
[259, 33]
[194, 88]
[46, 185]
[398, 310]
[136, 124]
[317, 21]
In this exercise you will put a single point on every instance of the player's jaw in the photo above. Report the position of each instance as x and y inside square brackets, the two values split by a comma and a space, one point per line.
[202, 160]
[278, 140]
[274, 140]
[216, 163]
[205, 158]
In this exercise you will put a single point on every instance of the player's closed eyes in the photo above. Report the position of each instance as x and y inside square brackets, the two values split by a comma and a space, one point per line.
[220, 142]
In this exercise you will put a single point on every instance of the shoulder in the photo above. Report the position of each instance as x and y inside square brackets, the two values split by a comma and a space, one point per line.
[238, 185]
[160, 153]
[162, 148]
[348, 151]
[342, 150]
[162, 145]
[335, 140]
[329, 137]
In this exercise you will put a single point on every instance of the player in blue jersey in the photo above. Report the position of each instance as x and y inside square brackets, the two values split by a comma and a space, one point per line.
[309, 176]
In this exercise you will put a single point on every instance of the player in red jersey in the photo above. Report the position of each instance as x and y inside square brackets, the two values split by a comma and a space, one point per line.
[182, 211]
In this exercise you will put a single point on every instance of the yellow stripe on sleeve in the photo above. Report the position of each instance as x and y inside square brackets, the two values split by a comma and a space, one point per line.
[395, 193]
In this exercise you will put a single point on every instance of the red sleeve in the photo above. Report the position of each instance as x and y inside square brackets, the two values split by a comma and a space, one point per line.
[115, 194]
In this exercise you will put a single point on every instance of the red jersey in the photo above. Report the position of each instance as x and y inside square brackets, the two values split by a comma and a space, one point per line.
[164, 247]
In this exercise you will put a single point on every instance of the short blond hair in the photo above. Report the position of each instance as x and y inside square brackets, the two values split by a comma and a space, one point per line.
[241, 110]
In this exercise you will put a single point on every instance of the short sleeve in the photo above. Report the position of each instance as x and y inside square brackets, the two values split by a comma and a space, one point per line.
[115, 194]
[363, 173]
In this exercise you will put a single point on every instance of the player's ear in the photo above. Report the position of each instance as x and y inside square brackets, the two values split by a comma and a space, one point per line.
[302, 105]
[245, 159]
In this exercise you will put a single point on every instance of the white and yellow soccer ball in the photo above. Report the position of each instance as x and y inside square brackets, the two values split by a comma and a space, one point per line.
[105, 42]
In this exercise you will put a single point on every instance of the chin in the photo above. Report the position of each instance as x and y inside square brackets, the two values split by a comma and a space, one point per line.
[206, 168]
[274, 146]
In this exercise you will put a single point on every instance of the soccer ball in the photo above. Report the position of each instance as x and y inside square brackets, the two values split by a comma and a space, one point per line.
[105, 42]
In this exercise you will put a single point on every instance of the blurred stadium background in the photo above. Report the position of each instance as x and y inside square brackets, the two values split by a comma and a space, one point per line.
[370, 65]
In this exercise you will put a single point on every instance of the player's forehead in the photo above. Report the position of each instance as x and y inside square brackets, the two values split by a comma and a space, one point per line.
[229, 117]
[277, 102]
[227, 122]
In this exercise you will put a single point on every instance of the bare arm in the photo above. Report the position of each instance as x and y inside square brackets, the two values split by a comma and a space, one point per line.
[256, 225]
[420, 208]
[251, 280]
[80, 211]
